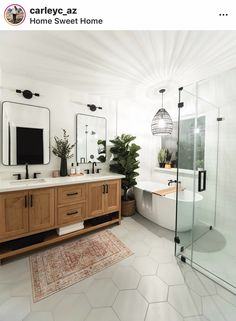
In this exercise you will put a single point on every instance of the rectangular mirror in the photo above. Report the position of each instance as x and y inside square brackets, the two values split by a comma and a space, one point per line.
[25, 134]
[91, 132]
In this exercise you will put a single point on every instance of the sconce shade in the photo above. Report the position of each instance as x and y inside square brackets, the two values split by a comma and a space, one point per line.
[162, 123]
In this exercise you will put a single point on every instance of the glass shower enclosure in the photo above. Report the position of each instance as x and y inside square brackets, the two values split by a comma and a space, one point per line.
[199, 241]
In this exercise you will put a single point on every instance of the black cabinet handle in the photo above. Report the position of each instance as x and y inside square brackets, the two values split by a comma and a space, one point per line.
[202, 180]
[31, 200]
[71, 194]
[72, 213]
[103, 189]
[107, 189]
[26, 201]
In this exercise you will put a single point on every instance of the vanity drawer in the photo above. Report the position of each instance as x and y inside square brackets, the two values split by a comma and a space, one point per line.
[71, 194]
[71, 213]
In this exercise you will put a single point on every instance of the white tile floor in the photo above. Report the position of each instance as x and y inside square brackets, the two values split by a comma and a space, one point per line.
[150, 285]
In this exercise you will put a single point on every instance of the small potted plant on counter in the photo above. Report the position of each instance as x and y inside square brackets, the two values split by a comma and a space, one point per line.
[62, 149]
[125, 162]
[168, 159]
[174, 160]
[162, 157]
[199, 164]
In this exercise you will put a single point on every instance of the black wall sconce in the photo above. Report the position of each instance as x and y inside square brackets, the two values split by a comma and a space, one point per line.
[93, 107]
[27, 93]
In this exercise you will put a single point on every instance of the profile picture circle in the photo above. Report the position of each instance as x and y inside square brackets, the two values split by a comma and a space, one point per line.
[14, 14]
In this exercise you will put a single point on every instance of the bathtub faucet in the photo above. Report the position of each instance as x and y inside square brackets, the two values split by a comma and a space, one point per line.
[171, 181]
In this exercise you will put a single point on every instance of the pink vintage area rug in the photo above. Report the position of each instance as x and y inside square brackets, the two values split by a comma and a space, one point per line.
[55, 269]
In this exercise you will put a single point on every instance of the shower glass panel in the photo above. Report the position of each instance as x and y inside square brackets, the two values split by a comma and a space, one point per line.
[205, 183]
[216, 252]
[205, 216]
[185, 176]
[197, 172]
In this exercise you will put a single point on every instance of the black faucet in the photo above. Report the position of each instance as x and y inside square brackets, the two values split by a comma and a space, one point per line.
[170, 181]
[18, 176]
[26, 171]
[93, 167]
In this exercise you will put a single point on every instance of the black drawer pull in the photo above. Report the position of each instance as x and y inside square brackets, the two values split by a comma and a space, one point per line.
[72, 213]
[26, 201]
[106, 188]
[103, 189]
[71, 194]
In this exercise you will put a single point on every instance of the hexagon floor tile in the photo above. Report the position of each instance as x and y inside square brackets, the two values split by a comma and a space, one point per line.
[211, 311]
[194, 283]
[48, 303]
[5, 292]
[130, 306]
[39, 316]
[80, 287]
[199, 318]
[150, 278]
[170, 274]
[126, 277]
[102, 293]
[15, 309]
[103, 314]
[106, 273]
[154, 241]
[162, 311]
[161, 255]
[145, 265]
[180, 298]
[139, 248]
[73, 307]
[153, 289]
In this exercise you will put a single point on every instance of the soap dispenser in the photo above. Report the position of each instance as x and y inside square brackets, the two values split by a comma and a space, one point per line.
[77, 170]
[72, 169]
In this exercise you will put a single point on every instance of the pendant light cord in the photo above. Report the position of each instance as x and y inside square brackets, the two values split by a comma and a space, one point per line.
[162, 92]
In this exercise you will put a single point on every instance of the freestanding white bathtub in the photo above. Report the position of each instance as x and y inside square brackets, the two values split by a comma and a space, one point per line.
[162, 209]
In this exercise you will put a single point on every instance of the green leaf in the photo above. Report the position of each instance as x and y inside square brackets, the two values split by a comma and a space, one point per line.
[125, 161]
[62, 147]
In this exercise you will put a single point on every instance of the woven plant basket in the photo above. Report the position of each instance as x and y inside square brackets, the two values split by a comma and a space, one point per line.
[127, 208]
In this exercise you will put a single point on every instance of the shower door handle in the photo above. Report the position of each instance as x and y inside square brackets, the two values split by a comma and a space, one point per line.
[202, 180]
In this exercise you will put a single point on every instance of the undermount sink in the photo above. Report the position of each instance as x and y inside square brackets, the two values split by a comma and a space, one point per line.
[28, 181]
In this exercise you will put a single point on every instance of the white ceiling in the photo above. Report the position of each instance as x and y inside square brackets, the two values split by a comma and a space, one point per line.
[117, 63]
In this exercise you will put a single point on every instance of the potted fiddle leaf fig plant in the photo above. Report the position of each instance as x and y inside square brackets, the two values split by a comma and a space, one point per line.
[125, 154]
[62, 149]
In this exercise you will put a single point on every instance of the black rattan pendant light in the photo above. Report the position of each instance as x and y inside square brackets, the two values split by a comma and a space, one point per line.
[162, 123]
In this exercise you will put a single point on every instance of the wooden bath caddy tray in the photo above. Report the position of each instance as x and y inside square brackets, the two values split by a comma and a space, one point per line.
[166, 191]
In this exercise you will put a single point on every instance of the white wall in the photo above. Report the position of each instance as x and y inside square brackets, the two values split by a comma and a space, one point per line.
[60, 102]
[134, 117]
[226, 191]
[221, 91]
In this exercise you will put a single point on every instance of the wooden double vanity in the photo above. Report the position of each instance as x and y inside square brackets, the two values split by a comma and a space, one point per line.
[39, 208]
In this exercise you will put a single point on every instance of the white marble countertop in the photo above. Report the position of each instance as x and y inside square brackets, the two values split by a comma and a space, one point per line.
[19, 185]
